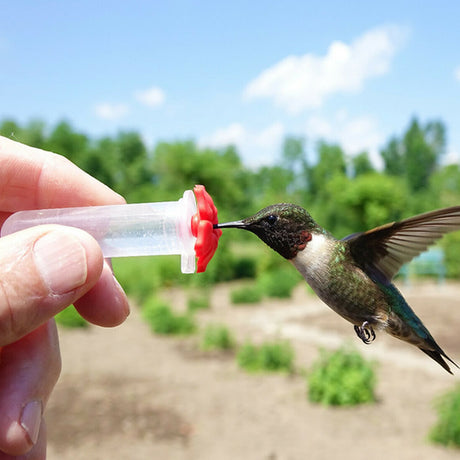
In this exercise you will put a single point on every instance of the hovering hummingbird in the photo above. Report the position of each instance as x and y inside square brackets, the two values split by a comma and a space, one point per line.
[353, 275]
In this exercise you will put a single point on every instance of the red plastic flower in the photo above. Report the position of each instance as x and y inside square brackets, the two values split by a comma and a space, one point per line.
[207, 237]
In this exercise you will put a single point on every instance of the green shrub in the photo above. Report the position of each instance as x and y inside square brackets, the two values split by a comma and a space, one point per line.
[246, 294]
[277, 356]
[168, 272]
[451, 245]
[137, 275]
[279, 283]
[245, 267]
[248, 357]
[163, 320]
[217, 337]
[270, 356]
[219, 269]
[341, 378]
[69, 317]
[198, 302]
[267, 260]
[447, 429]
[142, 276]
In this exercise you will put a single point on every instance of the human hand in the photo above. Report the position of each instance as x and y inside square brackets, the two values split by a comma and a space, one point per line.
[42, 270]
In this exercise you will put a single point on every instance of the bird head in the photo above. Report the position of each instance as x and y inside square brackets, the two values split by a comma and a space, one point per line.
[285, 227]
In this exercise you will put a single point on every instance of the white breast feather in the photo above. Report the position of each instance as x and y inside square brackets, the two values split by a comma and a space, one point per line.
[314, 259]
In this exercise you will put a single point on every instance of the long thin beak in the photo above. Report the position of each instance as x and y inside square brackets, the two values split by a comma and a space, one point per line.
[234, 224]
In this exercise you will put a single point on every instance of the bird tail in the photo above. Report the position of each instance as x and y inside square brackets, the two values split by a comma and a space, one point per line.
[438, 356]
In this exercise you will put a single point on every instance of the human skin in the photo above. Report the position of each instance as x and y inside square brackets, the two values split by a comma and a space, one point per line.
[44, 269]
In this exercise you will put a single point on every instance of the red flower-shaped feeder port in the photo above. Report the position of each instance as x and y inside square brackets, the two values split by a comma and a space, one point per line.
[207, 237]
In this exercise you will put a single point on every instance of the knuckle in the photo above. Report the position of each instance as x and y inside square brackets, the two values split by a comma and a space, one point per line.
[7, 318]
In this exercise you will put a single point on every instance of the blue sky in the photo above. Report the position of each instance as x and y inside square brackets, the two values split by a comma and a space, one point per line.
[246, 73]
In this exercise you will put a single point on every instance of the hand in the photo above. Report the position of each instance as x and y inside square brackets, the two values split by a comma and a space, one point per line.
[42, 270]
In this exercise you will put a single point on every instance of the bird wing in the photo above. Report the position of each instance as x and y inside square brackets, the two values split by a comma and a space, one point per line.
[383, 250]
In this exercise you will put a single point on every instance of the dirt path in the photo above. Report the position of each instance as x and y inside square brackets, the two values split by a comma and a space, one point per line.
[125, 393]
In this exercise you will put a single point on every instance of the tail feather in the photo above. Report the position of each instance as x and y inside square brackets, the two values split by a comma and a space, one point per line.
[438, 356]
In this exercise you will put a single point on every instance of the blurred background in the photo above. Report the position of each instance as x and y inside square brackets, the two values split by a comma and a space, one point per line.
[348, 109]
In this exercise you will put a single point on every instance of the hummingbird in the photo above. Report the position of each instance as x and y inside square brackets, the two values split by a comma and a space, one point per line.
[353, 275]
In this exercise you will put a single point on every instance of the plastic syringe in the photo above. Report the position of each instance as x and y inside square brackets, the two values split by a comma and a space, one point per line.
[163, 228]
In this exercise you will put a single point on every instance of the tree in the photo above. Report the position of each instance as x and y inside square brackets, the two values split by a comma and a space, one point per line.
[393, 158]
[103, 163]
[417, 154]
[64, 140]
[293, 153]
[420, 157]
[34, 134]
[445, 186]
[270, 185]
[331, 162]
[179, 166]
[9, 128]
[352, 205]
[435, 133]
[361, 164]
[134, 172]
[294, 162]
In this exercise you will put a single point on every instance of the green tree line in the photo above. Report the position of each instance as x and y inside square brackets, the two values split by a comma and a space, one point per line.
[345, 194]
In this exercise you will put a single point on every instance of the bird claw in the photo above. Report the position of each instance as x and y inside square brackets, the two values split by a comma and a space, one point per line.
[365, 332]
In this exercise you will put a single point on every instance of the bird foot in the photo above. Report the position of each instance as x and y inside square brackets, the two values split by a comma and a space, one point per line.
[365, 332]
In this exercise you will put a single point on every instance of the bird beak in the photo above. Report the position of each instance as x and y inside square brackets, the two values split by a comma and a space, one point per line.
[235, 224]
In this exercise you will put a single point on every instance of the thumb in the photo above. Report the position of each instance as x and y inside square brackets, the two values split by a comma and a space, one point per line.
[42, 270]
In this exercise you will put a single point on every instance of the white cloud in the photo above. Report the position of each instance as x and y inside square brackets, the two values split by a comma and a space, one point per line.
[354, 135]
[319, 127]
[111, 112]
[297, 83]
[457, 73]
[452, 156]
[233, 134]
[270, 136]
[255, 147]
[151, 97]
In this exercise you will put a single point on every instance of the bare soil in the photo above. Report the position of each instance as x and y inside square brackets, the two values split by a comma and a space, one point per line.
[125, 393]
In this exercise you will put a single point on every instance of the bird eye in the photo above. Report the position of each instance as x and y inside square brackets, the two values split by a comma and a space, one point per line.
[271, 219]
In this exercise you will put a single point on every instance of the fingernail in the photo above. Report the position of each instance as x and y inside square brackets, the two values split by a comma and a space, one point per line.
[126, 307]
[117, 286]
[61, 260]
[31, 418]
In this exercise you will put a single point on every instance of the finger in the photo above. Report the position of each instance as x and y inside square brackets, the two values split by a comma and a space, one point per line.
[42, 270]
[29, 369]
[31, 178]
[38, 450]
[106, 303]
[3, 217]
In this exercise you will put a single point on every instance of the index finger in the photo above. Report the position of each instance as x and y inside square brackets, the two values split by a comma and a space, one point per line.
[31, 178]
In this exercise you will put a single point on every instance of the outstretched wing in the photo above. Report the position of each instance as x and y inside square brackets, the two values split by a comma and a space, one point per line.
[383, 250]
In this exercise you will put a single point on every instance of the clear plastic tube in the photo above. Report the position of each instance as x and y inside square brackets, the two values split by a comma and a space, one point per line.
[125, 230]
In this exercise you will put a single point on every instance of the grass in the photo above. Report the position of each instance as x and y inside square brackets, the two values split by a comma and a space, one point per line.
[446, 431]
[69, 317]
[200, 301]
[270, 357]
[341, 378]
[163, 320]
[279, 282]
[142, 276]
[275, 282]
[246, 294]
[217, 337]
